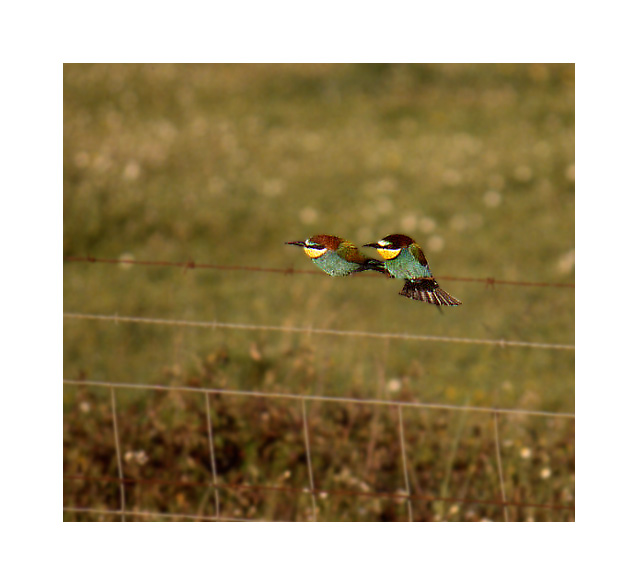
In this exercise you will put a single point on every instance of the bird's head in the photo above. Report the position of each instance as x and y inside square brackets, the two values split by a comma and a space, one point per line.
[390, 246]
[317, 245]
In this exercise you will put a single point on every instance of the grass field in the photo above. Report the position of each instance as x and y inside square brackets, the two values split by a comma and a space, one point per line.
[221, 164]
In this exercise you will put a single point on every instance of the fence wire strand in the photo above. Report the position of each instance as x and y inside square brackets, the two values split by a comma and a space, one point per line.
[402, 445]
[209, 426]
[307, 445]
[116, 436]
[315, 331]
[324, 398]
[394, 496]
[502, 485]
[152, 514]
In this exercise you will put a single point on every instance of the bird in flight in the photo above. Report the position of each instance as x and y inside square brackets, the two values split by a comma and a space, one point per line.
[404, 259]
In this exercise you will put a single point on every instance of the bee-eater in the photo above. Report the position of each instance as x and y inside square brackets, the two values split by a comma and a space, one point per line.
[336, 256]
[404, 259]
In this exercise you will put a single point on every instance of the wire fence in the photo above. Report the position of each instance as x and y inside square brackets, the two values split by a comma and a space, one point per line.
[313, 491]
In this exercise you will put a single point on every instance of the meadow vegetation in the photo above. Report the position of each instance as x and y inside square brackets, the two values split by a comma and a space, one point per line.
[222, 164]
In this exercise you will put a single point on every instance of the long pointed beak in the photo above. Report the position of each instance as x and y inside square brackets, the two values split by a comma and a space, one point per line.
[372, 245]
[297, 243]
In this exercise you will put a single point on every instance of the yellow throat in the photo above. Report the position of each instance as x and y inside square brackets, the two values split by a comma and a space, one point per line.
[388, 253]
[314, 252]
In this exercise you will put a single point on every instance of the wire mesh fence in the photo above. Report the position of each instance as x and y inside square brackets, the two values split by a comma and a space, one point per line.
[394, 485]
[309, 491]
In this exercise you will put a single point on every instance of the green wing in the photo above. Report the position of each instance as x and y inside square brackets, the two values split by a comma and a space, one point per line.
[348, 251]
[418, 255]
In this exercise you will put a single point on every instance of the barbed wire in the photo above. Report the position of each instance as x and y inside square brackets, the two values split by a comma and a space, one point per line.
[488, 281]
[321, 398]
[310, 330]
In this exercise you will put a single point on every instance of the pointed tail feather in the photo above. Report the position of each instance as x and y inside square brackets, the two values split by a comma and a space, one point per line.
[429, 291]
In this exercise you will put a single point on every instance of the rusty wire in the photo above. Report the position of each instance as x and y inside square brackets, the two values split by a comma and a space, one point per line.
[190, 264]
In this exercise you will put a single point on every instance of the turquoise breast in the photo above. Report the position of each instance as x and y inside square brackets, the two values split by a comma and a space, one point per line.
[406, 266]
[335, 265]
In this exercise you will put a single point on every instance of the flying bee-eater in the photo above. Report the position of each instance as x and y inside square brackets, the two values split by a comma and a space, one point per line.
[336, 256]
[404, 259]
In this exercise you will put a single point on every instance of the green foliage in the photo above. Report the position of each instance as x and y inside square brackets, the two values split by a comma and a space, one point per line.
[222, 164]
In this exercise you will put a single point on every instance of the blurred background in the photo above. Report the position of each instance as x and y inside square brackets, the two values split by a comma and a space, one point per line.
[222, 164]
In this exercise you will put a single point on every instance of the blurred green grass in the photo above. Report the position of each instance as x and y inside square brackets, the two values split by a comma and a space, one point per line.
[223, 163]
